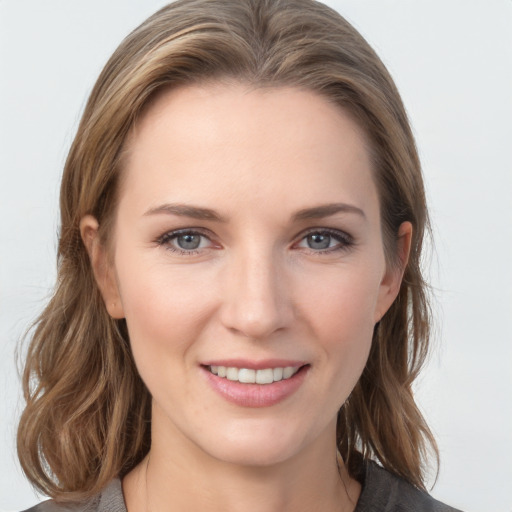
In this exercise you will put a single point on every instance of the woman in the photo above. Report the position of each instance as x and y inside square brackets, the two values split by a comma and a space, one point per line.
[240, 312]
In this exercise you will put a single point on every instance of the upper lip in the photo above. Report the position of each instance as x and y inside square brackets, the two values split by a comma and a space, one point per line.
[254, 365]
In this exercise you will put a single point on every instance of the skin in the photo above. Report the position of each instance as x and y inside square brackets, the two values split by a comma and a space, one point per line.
[254, 289]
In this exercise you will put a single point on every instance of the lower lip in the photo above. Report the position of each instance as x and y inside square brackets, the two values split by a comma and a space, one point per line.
[255, 395]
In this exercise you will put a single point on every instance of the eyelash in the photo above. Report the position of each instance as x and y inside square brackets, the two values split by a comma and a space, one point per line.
[345, 241]
[167, 238]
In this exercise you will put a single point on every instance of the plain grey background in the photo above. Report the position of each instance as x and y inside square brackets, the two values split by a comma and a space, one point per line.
[452, 61]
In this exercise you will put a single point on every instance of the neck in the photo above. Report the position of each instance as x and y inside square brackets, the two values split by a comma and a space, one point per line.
[178, 476]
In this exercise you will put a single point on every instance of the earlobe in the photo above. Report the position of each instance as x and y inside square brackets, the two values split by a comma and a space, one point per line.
[392, 280]
[101, 266]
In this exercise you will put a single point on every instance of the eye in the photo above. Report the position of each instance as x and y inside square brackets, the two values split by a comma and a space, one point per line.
[185, 241]
[319, 240]
[325, 240]
[189, 241]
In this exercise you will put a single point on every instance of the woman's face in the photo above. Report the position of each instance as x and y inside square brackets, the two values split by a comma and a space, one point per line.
[248, 263]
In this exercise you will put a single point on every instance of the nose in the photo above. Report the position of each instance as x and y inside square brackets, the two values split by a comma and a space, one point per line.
[256, 296]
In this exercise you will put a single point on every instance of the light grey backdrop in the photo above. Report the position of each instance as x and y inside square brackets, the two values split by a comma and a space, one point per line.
[452, 61]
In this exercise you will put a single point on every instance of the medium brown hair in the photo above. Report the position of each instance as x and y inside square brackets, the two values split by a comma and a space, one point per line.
[87, 417]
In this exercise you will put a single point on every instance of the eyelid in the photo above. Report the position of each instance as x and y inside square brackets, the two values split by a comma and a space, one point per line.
[346, 241]
[165, 239]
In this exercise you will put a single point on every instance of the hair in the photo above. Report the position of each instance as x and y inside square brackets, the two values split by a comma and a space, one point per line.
[88, 416]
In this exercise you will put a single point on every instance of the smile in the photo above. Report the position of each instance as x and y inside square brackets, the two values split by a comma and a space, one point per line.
[250, 376]
[266, 385]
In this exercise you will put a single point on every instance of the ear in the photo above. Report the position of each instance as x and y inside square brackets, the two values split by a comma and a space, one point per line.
[392, 279]
[102, 267]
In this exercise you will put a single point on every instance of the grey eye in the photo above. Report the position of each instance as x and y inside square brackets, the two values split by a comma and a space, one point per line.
[188, 242]
[318, 240]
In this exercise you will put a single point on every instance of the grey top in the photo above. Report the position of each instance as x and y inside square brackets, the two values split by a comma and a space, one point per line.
[109, 500]
[381, 492]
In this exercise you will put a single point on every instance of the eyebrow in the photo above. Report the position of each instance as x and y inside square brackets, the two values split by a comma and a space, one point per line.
[184, 210]
[196, 212]
[319, 212]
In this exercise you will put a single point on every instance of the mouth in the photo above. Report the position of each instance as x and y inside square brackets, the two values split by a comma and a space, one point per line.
[265, 384]
[251, 376]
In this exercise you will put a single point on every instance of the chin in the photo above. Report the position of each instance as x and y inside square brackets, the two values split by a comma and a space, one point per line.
[257, 447]
[256, 457]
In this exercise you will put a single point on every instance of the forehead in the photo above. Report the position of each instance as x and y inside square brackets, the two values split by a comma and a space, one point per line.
[200, 142]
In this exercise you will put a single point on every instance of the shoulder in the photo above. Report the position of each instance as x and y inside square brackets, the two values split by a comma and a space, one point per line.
[383, 491]
[109, 500]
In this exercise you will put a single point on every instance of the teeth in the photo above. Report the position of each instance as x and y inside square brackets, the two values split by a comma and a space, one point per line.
[278, 374]
[232, 373]
[248, 376]
[265, 376]
[288, 372]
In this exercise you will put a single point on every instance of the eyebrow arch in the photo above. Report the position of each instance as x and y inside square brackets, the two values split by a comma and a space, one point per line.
[196, 212]
[320, 212]
[184, 210]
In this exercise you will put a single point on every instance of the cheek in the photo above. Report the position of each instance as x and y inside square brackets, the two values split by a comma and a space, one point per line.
[341, 315]
[164, 310]
[344, 301]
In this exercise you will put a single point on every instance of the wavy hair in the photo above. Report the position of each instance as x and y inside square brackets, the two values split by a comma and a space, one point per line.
[87, 416]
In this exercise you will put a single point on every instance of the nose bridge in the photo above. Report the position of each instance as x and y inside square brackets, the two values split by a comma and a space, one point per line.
[256, 303]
